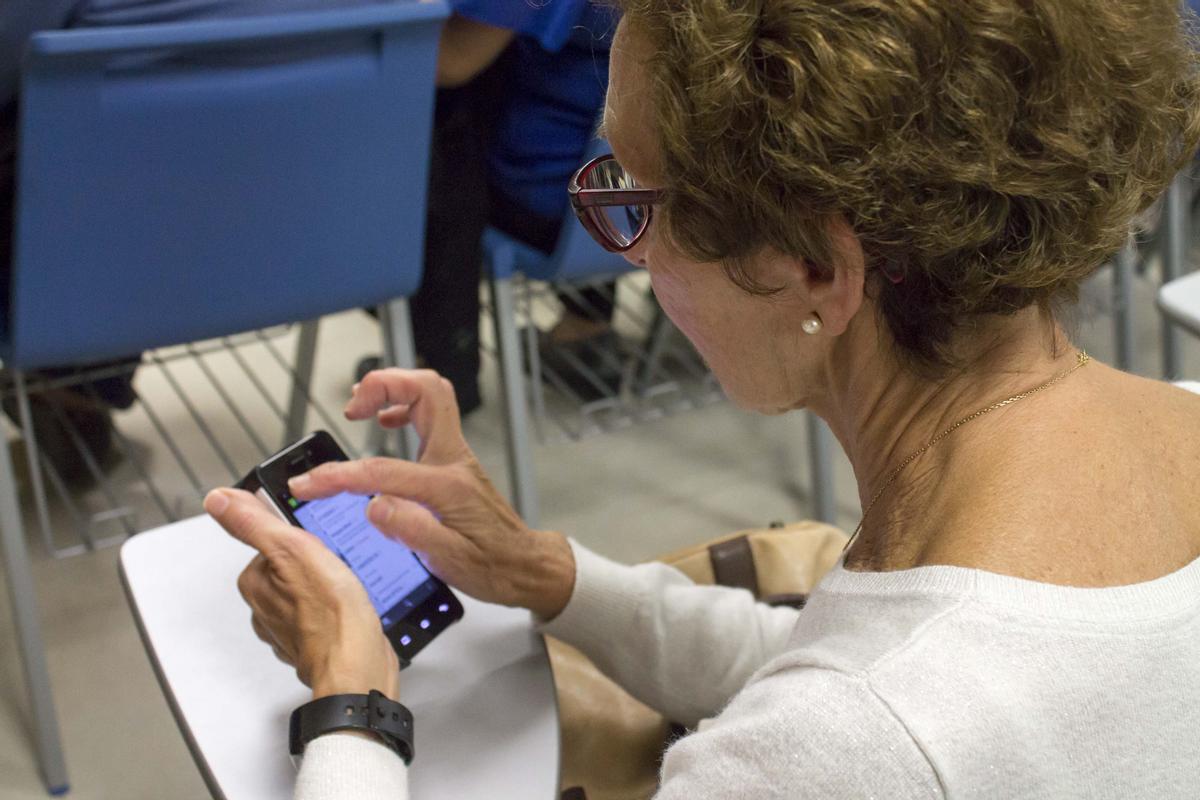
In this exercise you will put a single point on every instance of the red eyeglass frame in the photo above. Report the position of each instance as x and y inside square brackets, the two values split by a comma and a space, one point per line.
[585, 201]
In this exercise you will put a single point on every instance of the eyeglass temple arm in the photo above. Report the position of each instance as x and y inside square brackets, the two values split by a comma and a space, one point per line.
[616, 197]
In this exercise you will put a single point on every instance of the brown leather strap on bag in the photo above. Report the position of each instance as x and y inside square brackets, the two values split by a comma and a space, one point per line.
[733, 564]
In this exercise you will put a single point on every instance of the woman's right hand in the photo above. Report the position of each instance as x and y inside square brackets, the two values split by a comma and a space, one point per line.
[443, 506]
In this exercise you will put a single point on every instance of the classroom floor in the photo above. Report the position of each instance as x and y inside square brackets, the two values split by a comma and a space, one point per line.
[629, 495]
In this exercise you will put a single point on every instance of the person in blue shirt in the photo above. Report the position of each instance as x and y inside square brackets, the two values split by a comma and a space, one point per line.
[524, 84]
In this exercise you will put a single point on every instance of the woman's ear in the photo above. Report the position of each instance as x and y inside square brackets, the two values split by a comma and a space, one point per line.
[837, 298]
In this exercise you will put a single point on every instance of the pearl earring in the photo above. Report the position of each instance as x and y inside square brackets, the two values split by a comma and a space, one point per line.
[812, 326]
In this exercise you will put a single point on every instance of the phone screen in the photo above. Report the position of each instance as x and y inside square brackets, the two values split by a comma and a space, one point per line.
[395, 579]
[413, 605]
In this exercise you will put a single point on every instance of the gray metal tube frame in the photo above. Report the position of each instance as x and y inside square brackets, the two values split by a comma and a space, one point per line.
[512, 381]
[820, 455]
[36, 480]
[1175, 237]
[396, 322]
[29, 634]
[1122, 304]
[306, 356]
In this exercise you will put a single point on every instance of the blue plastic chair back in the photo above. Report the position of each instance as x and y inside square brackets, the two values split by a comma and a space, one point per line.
[576, 257]
[182, 181]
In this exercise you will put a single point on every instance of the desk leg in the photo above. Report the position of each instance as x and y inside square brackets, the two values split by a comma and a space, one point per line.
[29, 633]
[1124, 266]
[401, 352]
[306, 355]
[820, 454]
[1174, 253]
[512, 378]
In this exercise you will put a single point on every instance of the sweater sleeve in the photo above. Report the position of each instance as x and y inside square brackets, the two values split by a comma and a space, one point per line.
[799, 734]
[341, 767]
[680, 648]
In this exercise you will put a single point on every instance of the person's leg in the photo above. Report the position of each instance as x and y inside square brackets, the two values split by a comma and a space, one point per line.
[445, 311]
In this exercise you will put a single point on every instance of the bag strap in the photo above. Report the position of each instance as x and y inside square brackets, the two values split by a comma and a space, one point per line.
[733, 565]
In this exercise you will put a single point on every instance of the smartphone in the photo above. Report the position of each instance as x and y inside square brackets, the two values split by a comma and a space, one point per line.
[413, 605]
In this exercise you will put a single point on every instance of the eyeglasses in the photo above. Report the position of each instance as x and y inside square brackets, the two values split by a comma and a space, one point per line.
[610, 204]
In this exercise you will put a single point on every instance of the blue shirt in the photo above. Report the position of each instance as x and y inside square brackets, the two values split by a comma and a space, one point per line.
[559, 82]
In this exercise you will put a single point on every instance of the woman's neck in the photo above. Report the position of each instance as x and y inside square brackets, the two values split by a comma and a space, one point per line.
[882, 412]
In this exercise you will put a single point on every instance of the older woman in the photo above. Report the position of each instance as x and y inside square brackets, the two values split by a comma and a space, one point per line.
[870, 209]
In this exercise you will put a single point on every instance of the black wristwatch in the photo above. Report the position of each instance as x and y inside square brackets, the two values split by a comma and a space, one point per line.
[373, 712]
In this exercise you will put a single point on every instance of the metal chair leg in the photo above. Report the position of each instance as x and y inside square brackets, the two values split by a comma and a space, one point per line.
[533, 357]
[1122, 304]
[1175, 237]
[512, 381]
[400, 352]
[306, 355]
[29, 635]
[820, 454]
[36, 478]
[660, 329]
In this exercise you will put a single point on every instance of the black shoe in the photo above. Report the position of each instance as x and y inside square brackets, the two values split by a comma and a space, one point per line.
[591, 368]
[366, 365]
[62, 421]
[115, 389]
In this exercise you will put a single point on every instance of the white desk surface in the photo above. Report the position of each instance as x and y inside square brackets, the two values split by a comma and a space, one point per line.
[482, 694]
[1180, 300]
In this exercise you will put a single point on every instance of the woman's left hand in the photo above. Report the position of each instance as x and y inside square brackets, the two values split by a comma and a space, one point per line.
[306, 603]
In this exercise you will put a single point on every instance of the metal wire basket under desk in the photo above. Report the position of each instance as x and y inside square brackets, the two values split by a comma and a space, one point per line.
[648, 371]
[203, 414]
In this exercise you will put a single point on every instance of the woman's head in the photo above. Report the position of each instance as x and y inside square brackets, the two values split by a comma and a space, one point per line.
[985, 155]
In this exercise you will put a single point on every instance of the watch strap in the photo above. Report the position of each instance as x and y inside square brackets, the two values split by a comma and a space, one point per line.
[373, 712]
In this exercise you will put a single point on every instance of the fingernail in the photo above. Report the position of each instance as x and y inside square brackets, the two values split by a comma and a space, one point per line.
[216, 502]
[379, 511]
[299, 483]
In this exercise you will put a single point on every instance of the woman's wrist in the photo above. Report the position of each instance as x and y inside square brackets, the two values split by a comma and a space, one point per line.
[329, 688]
[359, 675]
[550, 576]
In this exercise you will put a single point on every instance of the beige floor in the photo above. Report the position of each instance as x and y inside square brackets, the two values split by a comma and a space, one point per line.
[629, 495]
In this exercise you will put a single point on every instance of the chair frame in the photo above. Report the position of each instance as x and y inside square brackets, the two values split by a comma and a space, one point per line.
[396, 327]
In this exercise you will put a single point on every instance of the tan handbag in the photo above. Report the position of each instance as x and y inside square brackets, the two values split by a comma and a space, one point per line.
[612, 744]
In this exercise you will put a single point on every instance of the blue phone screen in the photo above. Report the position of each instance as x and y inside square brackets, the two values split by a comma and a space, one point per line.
[393, 576]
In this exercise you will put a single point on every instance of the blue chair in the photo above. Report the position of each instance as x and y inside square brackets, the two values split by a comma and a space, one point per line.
[577, 258]
[188, 180]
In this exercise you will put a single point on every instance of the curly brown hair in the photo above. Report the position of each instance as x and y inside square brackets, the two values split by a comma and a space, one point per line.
[989, 154]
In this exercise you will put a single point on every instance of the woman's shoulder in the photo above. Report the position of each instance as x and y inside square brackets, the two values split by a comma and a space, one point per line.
[953, 670]
[944, 623]
[810, 733]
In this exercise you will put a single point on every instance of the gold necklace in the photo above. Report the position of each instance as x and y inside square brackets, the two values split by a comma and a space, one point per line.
[1082, 359]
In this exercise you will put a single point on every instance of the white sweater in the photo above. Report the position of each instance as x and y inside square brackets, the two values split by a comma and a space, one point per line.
[930, 682]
